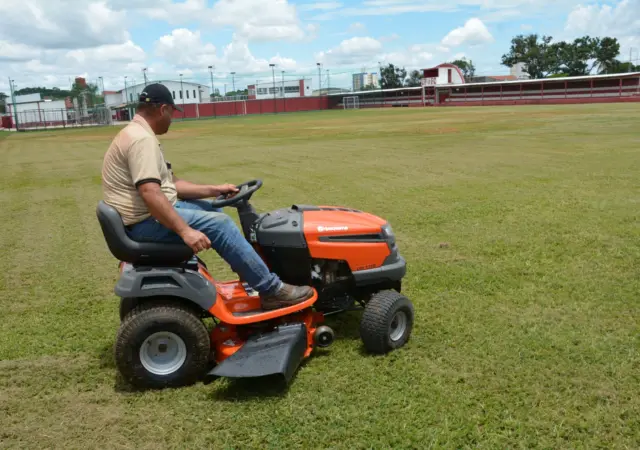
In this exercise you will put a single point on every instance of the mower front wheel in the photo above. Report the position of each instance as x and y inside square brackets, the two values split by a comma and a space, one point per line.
[387, 322]
[162, 345]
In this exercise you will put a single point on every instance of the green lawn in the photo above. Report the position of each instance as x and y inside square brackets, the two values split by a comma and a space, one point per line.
[527, 329]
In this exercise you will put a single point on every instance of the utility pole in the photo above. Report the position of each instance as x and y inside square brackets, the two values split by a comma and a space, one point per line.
[13, 100]
[319, 80]
[273, 73]
[212, 96]
[126, 98]
[233, 83]
[144, 72]
[211, 73]
[328, 81]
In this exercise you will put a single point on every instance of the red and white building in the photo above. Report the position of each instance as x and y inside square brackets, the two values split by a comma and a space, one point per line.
[443, 74]
[280, 89]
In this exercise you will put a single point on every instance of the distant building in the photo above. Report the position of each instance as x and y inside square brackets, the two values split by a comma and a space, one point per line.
[443, 74]
[125, 100]
[517, 70]
[363, 79]
[279, 89]
[33, 108]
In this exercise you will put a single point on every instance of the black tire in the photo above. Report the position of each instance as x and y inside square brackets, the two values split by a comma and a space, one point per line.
[187, 328]
[127, 305]
[384, 309]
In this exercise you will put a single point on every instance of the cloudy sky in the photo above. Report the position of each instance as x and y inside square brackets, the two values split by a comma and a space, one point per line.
[49, 42]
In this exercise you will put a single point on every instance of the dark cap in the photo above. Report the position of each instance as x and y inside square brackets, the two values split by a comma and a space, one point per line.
[159, 94]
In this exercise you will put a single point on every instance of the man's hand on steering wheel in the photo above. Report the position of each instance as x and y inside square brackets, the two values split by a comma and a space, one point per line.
[227, 190]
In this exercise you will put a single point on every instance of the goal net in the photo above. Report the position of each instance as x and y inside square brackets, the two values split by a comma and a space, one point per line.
[351, 102]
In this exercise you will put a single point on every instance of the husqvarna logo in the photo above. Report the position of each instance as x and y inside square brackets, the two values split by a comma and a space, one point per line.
[323, 229]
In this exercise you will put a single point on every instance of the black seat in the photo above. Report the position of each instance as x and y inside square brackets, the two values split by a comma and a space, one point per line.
[140, 253]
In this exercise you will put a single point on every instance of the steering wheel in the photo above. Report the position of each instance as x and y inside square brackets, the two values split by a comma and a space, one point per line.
[246, 190]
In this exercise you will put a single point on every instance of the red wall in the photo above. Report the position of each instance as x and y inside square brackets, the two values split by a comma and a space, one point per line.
[267, 106]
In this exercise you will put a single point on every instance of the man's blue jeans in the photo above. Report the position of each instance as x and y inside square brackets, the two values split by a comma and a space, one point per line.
[226, 239]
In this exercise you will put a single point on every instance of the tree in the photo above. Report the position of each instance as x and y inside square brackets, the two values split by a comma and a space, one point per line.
[467, 68]
[3, 98]
[392, 77]
[605, 54]
[621, 67]
[578, 58]
[414, 79]
[581, 56]
[540, 57]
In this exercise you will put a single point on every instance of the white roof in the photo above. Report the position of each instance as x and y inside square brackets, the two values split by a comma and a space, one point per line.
[535, 80]
[549, 80]
[132, 86]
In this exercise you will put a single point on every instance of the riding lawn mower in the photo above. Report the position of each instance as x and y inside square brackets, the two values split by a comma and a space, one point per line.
[166, 293]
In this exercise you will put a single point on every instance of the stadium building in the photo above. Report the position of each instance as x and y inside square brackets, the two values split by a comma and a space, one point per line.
[280, 89]
[123, 102]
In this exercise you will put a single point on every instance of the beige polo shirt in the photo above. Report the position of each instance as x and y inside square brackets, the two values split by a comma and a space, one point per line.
[134, 157]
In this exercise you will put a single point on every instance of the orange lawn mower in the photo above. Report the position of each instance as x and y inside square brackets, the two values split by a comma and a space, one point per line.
[166, 292]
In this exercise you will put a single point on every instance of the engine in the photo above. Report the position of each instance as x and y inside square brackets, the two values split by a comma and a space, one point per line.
[323, 247]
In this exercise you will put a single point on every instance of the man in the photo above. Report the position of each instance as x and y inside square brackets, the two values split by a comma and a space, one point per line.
[157, 206]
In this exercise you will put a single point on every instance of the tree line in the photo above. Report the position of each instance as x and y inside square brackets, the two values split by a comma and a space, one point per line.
[540, 57]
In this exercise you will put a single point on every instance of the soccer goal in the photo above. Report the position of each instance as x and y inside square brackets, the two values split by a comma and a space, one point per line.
[351, 102]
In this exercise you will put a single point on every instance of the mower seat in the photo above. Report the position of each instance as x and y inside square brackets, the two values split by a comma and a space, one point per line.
[139, 253]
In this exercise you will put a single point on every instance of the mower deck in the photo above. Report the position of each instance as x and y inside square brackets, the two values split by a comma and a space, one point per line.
[278, 352]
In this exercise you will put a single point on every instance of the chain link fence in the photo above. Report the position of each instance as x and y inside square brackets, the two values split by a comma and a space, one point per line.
[42, 119]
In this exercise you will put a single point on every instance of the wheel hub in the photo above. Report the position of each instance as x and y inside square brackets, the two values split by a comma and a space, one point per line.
[398, 325]
[163, 353]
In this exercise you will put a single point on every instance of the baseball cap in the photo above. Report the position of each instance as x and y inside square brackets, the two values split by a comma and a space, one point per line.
[159, 94]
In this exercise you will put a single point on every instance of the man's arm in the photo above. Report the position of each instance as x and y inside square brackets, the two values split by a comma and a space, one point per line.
[188, 190]
[144, 159]
[160, 208]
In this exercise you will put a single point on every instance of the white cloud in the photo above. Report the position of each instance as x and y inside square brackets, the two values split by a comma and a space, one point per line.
[417, 56]
[185, 51]
[50, 24]
[185, 48]
[474, 32]
[255, 20]
[258, 19]
[10, 51]
[621, 21]
[351, 51]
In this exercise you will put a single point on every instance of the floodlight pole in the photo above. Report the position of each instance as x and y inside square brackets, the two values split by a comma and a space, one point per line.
[273, 73]
[212, 95]
[13, 98]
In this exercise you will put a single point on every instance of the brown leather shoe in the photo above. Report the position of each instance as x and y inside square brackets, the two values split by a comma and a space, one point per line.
[288, 295]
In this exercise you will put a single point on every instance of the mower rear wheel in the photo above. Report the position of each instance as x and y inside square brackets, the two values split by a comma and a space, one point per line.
[387, 322]
[162, 345]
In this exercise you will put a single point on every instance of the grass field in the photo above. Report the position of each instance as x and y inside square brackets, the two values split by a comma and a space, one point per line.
[527, 328]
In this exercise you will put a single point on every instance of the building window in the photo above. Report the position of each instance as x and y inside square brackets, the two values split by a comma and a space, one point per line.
[187, 94]
[194, 94]
[174, 95]
[180, 94]
[292, 89]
